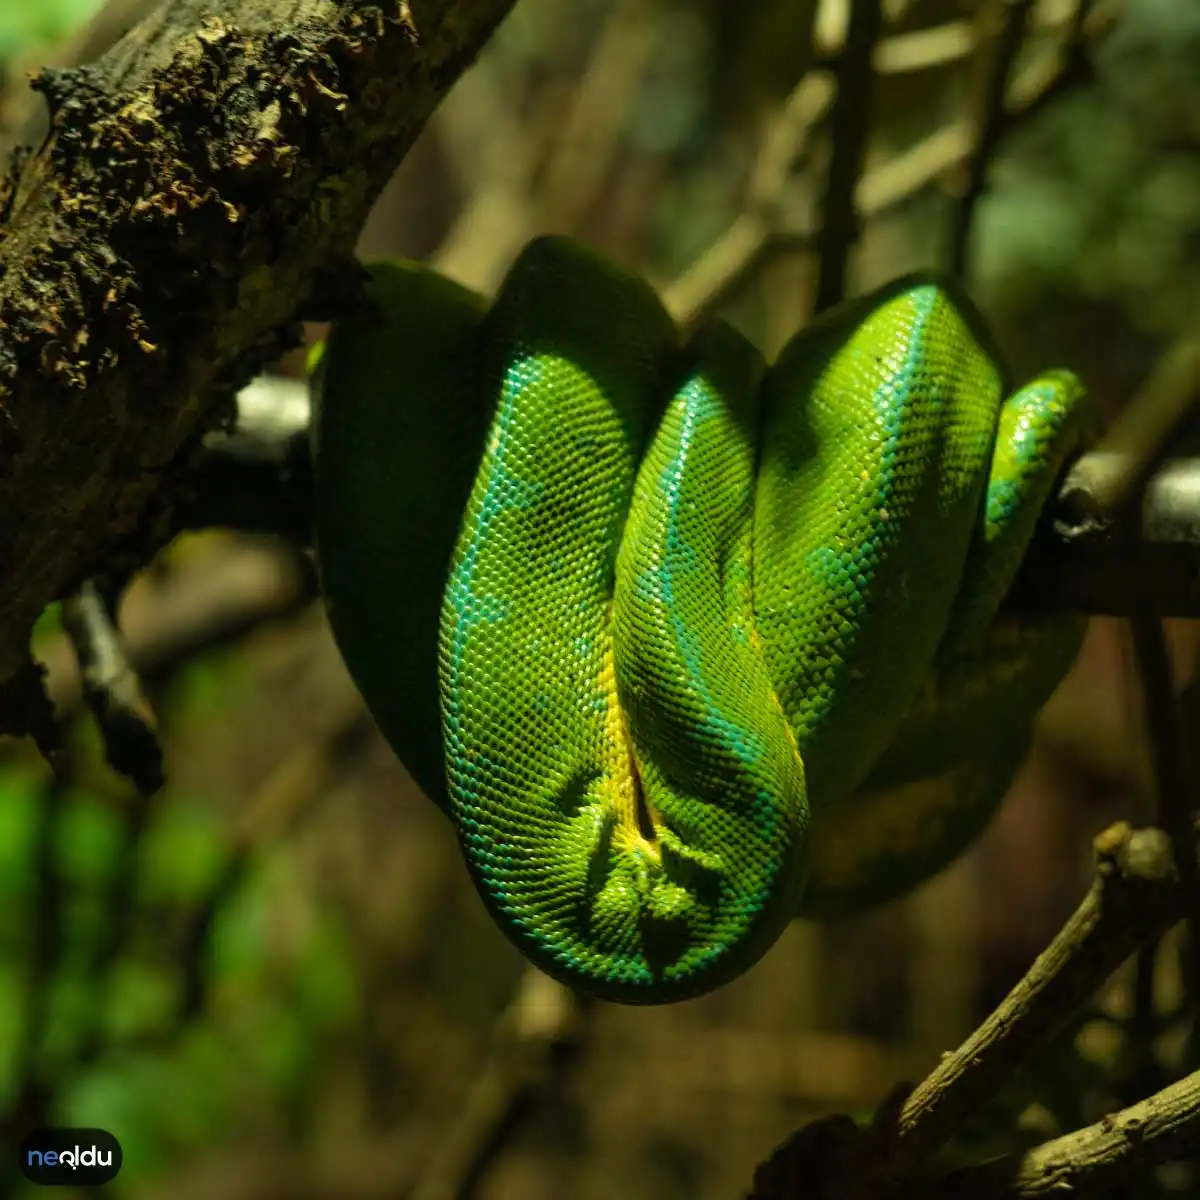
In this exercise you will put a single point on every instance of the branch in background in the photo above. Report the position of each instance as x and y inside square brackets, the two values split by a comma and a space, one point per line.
[596, 121]
[1111, 508]
[535, 1034]
[1108, 480]
[289, 793]
[1075, 562]
[28, 1107]
[734, 257]
[192, 611]
[119, 904]
[1174, 770]
[1136, 896]
[724, 267]
[1086, 565]
[243, 143]
[945, 45]
[112, 689]
[273, 812]
[540, 177]
[1112, 515]
[1165, 402]
[922, 49]
[176, 617]
[1091, 1161]
[257, 479]
[849, 128]
[1044, 82]
[1013, 18]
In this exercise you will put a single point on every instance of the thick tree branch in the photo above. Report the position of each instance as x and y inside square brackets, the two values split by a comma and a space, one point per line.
[197, 180]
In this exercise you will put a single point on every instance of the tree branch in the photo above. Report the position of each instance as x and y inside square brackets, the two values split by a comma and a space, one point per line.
[1163, 1127]
[195, 183]
[257, 479]
[1136, 896]
[759, 230]
[849, 126]
[1012, 17]
[539, 1028]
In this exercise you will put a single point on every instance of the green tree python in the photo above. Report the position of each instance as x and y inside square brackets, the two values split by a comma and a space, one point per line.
[682, 645]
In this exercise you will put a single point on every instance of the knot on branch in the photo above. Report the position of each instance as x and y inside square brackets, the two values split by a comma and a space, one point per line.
[1129, 857]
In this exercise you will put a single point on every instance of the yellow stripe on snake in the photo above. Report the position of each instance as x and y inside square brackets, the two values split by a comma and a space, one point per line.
[685, 646]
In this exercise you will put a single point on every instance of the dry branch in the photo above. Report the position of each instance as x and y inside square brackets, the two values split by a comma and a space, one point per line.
[1136, 896]
[1164, 1127]
[760, 229]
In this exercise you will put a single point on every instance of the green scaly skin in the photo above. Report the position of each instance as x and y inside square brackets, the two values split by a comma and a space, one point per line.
[712, 645]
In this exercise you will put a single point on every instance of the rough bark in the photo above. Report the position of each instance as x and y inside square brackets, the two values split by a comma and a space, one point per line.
[196, 181]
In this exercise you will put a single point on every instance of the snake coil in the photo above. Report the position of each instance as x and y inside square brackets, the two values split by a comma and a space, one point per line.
[684, 646]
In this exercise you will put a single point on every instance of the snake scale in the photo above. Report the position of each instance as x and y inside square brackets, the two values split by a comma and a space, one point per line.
[683, 645]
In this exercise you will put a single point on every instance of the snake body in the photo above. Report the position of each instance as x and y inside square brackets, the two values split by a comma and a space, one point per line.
[685, 646]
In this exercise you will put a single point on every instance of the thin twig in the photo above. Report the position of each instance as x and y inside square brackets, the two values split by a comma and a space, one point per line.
[850, 125]
[755, 234]
[112, 689]
[1014, 18]
[534, 1033]
[729, 259]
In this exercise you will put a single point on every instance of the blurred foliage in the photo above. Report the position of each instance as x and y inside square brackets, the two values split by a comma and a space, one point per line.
[107, 1025]
[27, 27]
[1101, 198]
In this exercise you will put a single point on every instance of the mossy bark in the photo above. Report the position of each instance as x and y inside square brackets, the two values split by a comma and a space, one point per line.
[196, 182]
